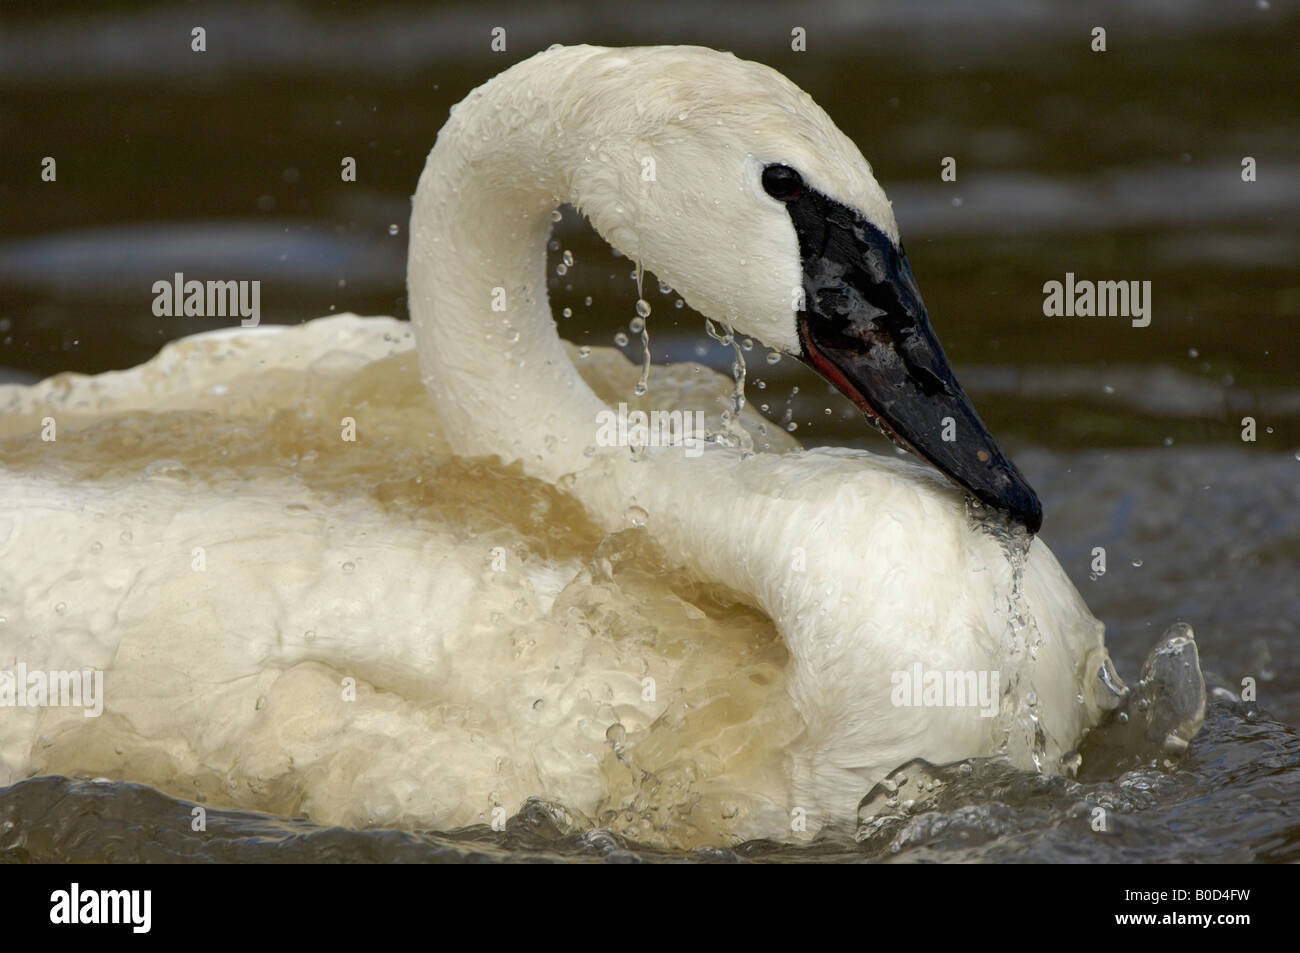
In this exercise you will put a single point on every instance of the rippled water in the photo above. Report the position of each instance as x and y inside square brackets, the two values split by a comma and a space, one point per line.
[1117, 166]
[1232, 800]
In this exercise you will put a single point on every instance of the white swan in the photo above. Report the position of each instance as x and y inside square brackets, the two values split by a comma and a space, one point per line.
[328, 563]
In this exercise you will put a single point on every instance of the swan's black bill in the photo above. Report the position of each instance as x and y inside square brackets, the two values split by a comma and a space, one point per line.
[864, 328]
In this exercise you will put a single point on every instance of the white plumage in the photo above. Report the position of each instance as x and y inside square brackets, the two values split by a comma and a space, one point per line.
[498, 647]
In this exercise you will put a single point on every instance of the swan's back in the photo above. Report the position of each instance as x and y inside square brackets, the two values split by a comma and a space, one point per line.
[497, 640]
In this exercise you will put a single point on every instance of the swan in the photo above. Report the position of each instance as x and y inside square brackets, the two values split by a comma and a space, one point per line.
[820, 590]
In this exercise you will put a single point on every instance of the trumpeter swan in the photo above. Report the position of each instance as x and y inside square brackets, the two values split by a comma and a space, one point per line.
[910, 625]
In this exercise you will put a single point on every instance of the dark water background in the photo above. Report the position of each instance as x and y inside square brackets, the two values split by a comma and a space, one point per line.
[1124, 165]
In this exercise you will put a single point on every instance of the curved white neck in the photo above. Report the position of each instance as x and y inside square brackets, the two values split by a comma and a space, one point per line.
[489, 351]
[488, 347]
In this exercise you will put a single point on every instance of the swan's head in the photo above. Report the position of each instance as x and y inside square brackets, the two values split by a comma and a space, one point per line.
[734, 187]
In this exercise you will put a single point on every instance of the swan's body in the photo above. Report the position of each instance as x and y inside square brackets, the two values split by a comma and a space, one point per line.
[480, 687]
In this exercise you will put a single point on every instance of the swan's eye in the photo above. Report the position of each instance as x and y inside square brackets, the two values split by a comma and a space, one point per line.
[782, 183]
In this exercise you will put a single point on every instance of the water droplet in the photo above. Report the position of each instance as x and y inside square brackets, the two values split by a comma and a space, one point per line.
[393, 229]
[642, 308]
[636, 325]
[261, 702]
[1193, 352]
[96, 547]
[309, 635]
[774, 357]
[615, 733]
[61, 607]
[792, 426]
[556, 215]
[1137, 564]
[567, 258]
[561, 269]
[584, 351]
[567, 312]
[349, 566]
[637, 516]
[620, 339]
[539, 704]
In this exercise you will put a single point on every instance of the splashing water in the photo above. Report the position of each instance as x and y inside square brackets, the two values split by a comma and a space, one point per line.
[733, 434]
[639, 324]
[1018, 717]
